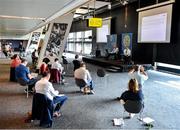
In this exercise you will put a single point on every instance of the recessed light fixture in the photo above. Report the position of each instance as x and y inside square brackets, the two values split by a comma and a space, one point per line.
[19, 17]
[17, 29]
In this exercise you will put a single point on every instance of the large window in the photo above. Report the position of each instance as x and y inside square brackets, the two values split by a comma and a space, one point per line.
[80, 42]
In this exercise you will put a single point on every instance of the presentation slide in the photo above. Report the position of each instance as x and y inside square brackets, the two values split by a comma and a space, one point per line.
[154, 25]
[154, 28]
[101, 33]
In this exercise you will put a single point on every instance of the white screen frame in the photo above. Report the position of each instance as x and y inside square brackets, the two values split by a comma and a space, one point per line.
[152, 12]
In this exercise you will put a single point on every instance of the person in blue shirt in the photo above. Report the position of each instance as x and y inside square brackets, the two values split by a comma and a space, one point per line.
[23, 73]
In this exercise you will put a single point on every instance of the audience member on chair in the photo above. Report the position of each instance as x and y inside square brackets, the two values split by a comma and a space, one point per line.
[23, 73]
[14, 63]
[44, 66]
[56, 65]
[133, 93]
[83, 73]
[45, 87]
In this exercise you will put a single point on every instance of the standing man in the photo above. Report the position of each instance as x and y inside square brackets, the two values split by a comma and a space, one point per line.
[21, 49]
[127, 55]
[76, 62]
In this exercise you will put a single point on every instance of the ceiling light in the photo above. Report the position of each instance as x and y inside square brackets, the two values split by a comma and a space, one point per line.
[17, 29]
[109, 6]
[19, 17]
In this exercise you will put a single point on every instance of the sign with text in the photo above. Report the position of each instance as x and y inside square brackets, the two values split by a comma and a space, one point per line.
[95, 22]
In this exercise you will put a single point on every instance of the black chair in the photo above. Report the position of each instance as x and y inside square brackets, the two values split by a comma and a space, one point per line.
[12, 75]
[23, 83]
[42, 109]
[135, 107]
[80, 82]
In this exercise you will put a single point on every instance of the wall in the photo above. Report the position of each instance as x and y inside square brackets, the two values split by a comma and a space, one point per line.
[142, 53]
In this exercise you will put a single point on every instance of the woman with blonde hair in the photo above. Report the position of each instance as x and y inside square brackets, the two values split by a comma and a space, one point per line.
[133, 92]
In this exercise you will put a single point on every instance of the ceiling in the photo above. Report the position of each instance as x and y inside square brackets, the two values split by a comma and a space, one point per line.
[21, 16]
[89, 8]
[98, 7]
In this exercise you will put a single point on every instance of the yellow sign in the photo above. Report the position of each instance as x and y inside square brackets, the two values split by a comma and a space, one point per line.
[95, 22]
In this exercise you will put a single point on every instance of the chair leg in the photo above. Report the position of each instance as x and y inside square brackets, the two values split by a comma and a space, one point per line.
[27, 92]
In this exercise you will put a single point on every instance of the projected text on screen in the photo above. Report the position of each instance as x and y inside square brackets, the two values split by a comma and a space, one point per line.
[154, 28]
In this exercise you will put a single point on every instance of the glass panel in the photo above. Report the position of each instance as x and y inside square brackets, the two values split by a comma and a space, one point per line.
[88, 35]
[79, 47]
[87, 48]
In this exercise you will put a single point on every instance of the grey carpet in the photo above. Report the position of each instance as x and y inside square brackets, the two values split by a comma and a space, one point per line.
[162, 103]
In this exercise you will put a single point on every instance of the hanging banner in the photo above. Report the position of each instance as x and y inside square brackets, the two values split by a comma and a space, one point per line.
[56, 38]
[126, 43]
[111, 42]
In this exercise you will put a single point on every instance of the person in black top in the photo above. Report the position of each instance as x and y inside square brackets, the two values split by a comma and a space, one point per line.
[76, 62]
[21, 49]
[133, 92]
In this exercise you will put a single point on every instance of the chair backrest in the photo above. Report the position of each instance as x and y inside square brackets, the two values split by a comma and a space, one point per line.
[133, 106]
[55, 76]
[101, 73]
[80, 82]
[22, 82]
[42, 109]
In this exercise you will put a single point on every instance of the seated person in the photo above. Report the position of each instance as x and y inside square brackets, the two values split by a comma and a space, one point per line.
[51, 58]
[44, 66]
[76, 62]
[14, 63]
[45, 87]
[133, 93]
[22, 72]
[138, 73]
[127, 55]
[59, 67]
[114, 52]
[83, 73]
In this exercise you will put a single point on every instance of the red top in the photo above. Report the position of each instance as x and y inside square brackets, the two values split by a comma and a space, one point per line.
[15, 62]
[43, 68]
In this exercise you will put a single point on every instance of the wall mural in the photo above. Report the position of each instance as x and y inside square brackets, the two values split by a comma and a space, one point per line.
[34, 42]
[56, 38]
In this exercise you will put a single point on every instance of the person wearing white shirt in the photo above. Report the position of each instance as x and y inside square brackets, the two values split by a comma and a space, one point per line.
[114, 52]
[59, 67]
[45, 87]
[127, 55]
[138, 73]
[83, 73]
[51, 57]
